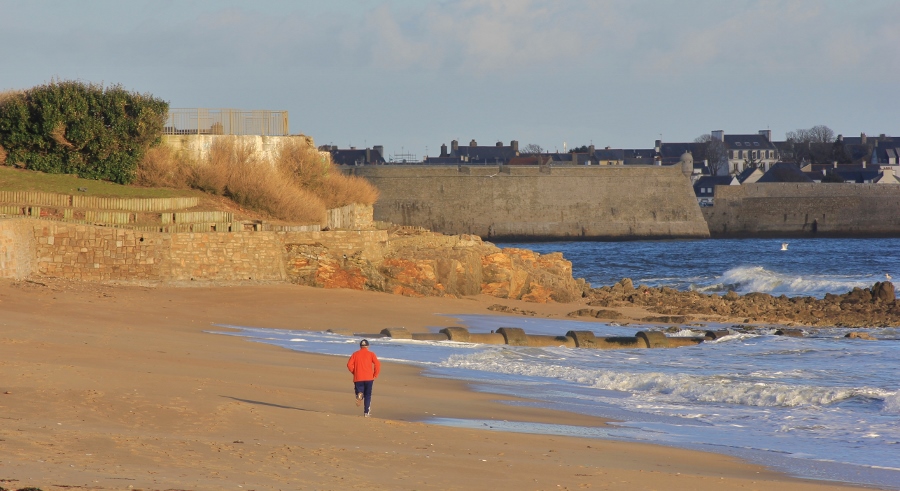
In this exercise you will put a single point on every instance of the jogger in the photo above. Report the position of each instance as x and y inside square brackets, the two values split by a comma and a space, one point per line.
[364, 366]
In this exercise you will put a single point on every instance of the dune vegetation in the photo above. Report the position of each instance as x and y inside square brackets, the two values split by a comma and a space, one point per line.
[296, 185]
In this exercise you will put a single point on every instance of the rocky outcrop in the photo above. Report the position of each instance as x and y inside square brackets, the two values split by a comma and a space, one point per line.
[420, 263]
[870, 307]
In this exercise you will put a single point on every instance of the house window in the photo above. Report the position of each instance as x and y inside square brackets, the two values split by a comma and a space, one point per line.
[732, 154]
[737, 143]
[755, 144]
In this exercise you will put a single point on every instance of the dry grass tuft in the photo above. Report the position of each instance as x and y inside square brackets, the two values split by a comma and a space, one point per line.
[6, 95]
[162, 168]
[297, 186]
[234, 170]
[59, 136]
[314, 171]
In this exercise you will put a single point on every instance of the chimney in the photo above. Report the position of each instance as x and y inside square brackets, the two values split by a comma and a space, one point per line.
[454, 146]
[658, 145]
[499, 144]
[515, 146]
[473, 143]
[368, 156]
[591, 150]
[717, 135]
[767, 134]
[443, 149]
[862, 138]
[840, 138]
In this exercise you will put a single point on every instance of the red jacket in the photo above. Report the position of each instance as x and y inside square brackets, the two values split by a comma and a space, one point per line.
[364, 365]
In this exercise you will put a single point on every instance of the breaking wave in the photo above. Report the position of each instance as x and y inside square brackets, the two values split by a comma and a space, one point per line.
[746, 279]
[674, 387]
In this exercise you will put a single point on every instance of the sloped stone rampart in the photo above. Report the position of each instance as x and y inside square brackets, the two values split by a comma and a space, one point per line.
[512, 202]
[805, 209]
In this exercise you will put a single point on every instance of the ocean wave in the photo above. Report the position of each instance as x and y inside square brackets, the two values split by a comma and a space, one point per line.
[892, 403]
[746, 279]
[670, 387]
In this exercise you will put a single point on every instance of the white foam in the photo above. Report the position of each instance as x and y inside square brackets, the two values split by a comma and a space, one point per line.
[892, 403]
[675, 386]
[746, 279]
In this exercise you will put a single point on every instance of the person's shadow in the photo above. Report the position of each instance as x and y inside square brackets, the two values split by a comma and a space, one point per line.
[261, 403]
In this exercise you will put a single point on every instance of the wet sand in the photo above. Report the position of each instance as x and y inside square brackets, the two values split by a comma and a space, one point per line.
[118, 387]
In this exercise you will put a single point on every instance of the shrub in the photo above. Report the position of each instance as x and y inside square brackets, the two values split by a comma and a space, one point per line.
[69, 127]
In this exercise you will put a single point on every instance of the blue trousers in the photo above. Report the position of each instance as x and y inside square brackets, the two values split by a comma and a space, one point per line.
[364, 388]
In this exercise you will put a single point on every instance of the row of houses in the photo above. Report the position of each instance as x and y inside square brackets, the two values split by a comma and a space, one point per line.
[717, 154]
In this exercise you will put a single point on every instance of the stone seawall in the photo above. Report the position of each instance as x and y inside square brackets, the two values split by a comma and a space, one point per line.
[413, 263]
[805, 209]
[539, 203]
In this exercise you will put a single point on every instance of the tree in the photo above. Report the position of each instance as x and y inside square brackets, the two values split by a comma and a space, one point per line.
[713, 152]
[814, 145]
[531, 149]
[581, 149]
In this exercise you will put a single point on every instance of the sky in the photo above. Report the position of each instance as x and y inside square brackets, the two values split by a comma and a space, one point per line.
[411, 75]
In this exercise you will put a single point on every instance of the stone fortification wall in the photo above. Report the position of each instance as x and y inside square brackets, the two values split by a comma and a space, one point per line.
[510, 202]
[805, 209]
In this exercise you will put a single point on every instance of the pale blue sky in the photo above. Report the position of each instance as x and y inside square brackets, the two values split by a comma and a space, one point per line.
[411, 75]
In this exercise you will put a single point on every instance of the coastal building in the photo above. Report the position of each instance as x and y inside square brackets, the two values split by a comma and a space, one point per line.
[355, 156]
[473, 153]
[620, 156]
[705, 187]
[749, 175]
[784, 172]
[750, 150]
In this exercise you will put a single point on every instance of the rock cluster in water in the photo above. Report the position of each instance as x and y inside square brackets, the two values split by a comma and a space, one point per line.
[870, 307]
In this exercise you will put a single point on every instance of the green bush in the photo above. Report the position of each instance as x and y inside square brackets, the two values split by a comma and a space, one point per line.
[70, 127]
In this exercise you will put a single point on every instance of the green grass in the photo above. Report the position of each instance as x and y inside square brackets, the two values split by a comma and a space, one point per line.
[12, 179]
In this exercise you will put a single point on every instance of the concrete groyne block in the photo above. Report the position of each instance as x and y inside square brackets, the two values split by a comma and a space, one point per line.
[514, 336]
[458, 334]
[545, 341]
[653, 339]
[678, 341]
[620, 342]
[583, 339]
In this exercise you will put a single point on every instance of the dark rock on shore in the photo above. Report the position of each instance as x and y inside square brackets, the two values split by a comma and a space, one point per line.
[870, 307]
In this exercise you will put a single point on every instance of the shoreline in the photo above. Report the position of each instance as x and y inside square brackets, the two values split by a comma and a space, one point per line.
[108, 387]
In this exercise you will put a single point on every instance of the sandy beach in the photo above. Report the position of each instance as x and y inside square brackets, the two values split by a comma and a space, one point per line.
[119, 387]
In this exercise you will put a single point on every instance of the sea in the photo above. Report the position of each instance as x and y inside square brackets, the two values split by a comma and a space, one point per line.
[820, 406]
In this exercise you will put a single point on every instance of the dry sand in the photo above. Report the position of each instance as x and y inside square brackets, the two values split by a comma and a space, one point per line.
[115, 387]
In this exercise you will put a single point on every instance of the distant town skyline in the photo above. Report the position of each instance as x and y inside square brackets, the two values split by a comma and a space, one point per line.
[413, 75]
